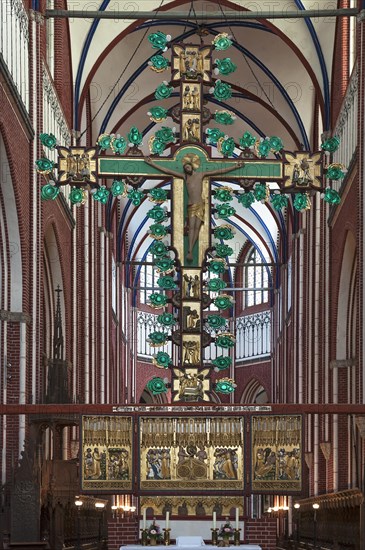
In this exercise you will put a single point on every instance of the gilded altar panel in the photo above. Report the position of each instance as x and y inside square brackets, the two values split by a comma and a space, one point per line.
[276, 453]
[191, 453]
[196, 506]
[106, 453]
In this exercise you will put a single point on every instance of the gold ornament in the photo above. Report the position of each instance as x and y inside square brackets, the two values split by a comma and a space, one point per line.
[193, 159]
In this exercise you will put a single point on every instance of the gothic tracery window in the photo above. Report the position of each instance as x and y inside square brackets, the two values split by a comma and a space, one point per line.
[255, 279]
[148, 279]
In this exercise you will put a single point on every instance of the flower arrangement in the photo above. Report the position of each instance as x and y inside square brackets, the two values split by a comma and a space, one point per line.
[226, 530]
[154, 531]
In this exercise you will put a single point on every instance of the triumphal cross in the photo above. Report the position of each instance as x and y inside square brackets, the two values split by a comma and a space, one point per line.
[193, 263]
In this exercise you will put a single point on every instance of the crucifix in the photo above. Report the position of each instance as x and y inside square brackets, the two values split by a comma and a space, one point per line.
[192, 167]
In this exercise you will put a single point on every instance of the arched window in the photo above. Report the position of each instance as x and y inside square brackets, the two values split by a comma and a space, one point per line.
[148, 279]
[255, 279]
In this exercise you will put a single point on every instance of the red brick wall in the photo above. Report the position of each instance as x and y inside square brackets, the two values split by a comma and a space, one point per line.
[122, 531]
[340, 63]
[262, 532]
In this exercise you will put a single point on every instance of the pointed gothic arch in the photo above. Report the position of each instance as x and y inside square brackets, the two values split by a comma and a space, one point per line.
[11, 277]
[345, 332]
[254, 392]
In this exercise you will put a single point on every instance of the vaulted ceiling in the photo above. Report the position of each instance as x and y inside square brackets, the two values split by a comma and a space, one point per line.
[281, 87]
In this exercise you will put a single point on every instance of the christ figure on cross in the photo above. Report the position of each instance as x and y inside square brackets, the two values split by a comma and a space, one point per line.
[194, 186]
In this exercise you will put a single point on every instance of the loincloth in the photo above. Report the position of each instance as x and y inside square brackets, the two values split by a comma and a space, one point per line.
[197, 210]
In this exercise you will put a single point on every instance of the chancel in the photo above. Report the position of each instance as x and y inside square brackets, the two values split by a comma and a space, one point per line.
[181, 263]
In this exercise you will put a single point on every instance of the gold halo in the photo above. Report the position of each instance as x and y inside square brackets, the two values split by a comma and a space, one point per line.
[193, 159]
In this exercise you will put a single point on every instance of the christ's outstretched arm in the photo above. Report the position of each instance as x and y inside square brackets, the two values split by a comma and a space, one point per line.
[218, 171]
[164, 170]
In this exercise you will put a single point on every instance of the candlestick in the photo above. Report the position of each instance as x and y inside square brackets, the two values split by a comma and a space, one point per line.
[145, 518]
[166, 534]
[215, 536]
[237, 537]
[214, 520]
[237, 518]
[144, 538]
[167, 519]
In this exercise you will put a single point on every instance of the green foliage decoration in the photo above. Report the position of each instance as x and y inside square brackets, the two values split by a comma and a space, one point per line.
[217, 266]
[226, 146]
[225, 66]
[136, 196]
[101, 194]
[162, 360]
[223, 250]
[247, 141]
[49, 192]
[157, 385]
[225, 385]
[48, 140]
[157, 231]
[163, 91]
[246, 199]
[159, 40]
[224, 117]
[118, 188]
[157, 114]
[213, 135]
[302, 202]
[167, 283]
[157, 213]
[159, 249]
[279, 201]
[165, 265]
[166, 319]
[134, 136]
[104, 141]
[222, 363]
[156, 338]
[223, 194]
[216, 321]
[158, 63]
[225, 341]
[331, 196]
[157, 300]
[44, 165]
[224, 232]
[224, 211]
[221, 90]
[222, 42]
[331, 145]
[118, 144]
[223, 301]
[216, 284]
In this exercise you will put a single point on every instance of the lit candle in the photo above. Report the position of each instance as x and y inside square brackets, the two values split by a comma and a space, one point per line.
[214, 520]
[237, 517]
[145, 518]
[167, 520]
